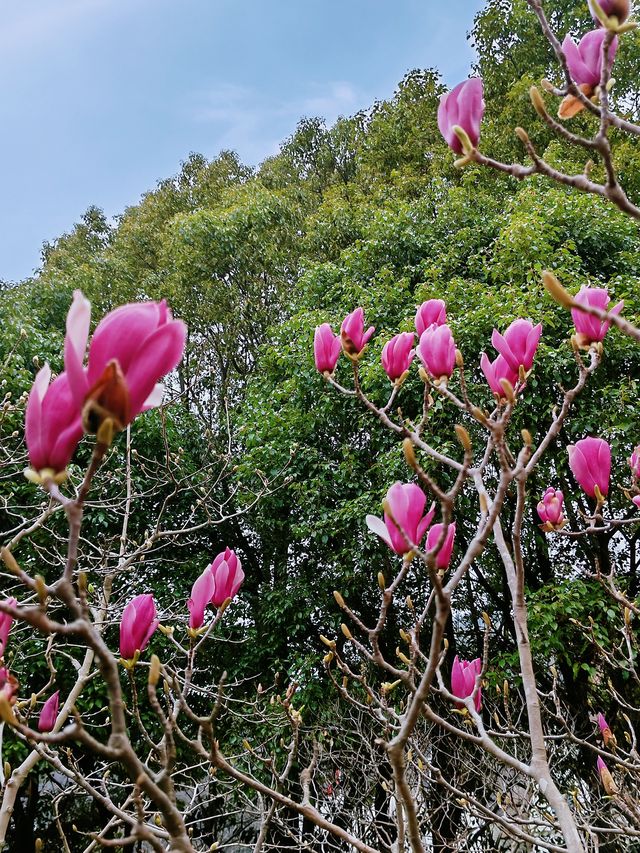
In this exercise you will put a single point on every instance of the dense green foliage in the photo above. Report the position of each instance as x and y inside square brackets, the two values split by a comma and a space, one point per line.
[367, 212]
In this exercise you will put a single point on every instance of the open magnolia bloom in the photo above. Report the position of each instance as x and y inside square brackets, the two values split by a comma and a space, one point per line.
[131, 349]
[53, 427]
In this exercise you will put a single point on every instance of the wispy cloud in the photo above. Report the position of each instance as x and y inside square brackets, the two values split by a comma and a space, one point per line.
[243, 119]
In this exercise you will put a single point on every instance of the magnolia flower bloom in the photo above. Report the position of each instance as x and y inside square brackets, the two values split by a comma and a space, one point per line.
[585, 58]
[634, 462]
[437, 351]
[613, 9]
[590, 461]
[636, 501]
[6, 622]
[431, 313]
[326, 348]
[137, 625]
[462, 107]
[397, 355]
[496, 370]
[53, 426]
[131, 349]
[354, 337]
[404, 508]
[550, 509]
[591, 329]
[201, 593]
[443, 557]
[519, 343]
[463, 679]
[610, 787]
[228, 576]
[8, 685]
[49, 713]
[584, 61]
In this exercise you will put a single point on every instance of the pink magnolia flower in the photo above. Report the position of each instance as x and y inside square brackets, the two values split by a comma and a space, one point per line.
[519, 344]
[131, 349]
[463, 679]
[326, 348]
[8, 685]
[585, 58]
[201, 593]
[228, 576]
[591, 329]
[397, 355]
[137, 625]
[613, 9]
[496, 370]
[463, 106]
[550, 509]
[443, 558]
[354, 337]
[634, 462]
[636, 501]
[53, 426]
[49, 713]
[437, 351]
[590, 461]
[404, 508]
[6, 622]
[431, 313]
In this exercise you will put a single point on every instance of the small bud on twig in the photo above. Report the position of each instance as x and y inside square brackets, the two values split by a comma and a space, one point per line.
[409, 453]
[154, 670]
[538, 103]
[463, 437]
[556, 290]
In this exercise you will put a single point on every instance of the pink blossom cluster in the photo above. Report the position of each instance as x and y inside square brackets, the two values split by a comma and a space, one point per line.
[217, 585]
[436, 348]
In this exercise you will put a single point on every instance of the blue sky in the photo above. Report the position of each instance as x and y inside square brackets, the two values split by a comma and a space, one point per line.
[100, 99]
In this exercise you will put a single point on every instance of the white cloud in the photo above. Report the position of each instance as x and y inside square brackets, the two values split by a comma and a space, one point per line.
[242, 119]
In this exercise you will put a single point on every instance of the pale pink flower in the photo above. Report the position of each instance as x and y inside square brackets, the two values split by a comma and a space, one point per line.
[404, 508]
[613, 9]
[462, 106]
[585, 58]
[634, 462]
